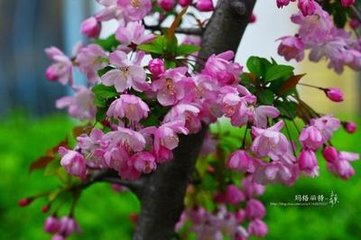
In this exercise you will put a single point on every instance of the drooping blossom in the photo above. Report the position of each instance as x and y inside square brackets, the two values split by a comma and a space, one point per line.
[90, 59]
[187, 113]
[326, 125]
[62, 69]
[311, 138]
[144, 162]
[52, 224]
[291, 48]
[204, 5]
[342, 166]
[255, 209]
[234, 195]
[257, 228]
[126, 74]
[334, 94]
[241, 161]
[91, 27]
[81, 105]
[307, 161]
[129, 106]
[73, 162]
[330, 154]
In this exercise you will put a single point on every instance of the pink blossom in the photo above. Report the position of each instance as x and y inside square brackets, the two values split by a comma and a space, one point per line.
[129, 106]
[342, 166]
[185, 3]
[130, 140]
[255, 209]
[233, 195]
[125, 75]
[81, 105]
[283, 3]
[221, 68]
[334, 94]
[132, 34]
[251, 188]
[262, 113]
[311, 138]
[308, 163]
[110, 11]
[205, 5]
[170, 86]
[61, 69]
[275, 172]
[291, 48]
[135, 10]
[187, 113]
[91, 27]
[330, 154]
[68, 226]
[326, 125]
[167, 5]
[93, 146]
[73, 162]
[90, 59]
[257, 228]
[52, 224]
[240, 161]
[350, 127]
[144, 162]
[307, 7]
[156, 67]
[347, 3]
[57, 237]
[269, 142]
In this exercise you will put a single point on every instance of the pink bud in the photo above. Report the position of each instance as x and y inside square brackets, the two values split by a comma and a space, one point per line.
[240, 161]
[45, 208]
[167, 5]
[52, 225]
[57, 237]
[252, 18]
[205, 5]
[350, 127]
[234, 195]
[255, 209]
[73, 162]
[51, 74]
[240, 215]
[347, 3]
[330, 154]
[91, 27]
[307, 7]
[68, 226]
[25, 202]
[354, 23]
[257, 228]
[185, 3]
[156, 66]
[334, 94]
[307, 162]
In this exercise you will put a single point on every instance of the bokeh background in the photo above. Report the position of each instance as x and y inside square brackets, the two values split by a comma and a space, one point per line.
[29, 125]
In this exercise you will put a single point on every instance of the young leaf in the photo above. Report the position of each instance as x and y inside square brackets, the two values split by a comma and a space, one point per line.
[289, 85]
[186, 49]
[258, 66]
[278, 72]
[105, 92]
[108, 44]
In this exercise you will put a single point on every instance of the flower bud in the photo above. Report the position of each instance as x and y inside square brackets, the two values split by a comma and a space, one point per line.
[350, 127]
[347, 3]
[257, 228]
[307, 162]
[167, 5]
[91, 27]
[25, 202]
[334, 94]
[205, 5]
[255, 209]
[185, 3]
[156, 66]
[51, 74]
[330, 154]
[45, 208]
[52, 225]
[68, 226]
[234, 195]
[252, 18]
[73, 162]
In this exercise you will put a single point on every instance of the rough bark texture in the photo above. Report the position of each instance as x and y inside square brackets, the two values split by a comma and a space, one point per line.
[162, 194]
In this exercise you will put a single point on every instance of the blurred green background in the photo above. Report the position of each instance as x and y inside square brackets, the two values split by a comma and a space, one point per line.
[105, 214]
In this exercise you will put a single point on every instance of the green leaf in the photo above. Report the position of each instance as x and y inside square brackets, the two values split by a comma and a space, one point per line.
[157, 46]
[101, 113]
[266, 97]
[287, 109]
[278, 72]
[258, 66]
[186, 49]
[105, 92]
[108, 44]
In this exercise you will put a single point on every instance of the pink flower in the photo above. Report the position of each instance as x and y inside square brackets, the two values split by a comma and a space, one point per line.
[167, 5]
[81, 105]
[185, 3]
[129, 106]
[130, 140]
[251, 188]
[275, 172]
[52, 224]
[125, 75]
[350, 127]
[283, 3]
[187, 113]
[221, 68]
[91, 27]
[291, 48]
[61, 69]
[110, 11]
[144, 162]
[334, 94]
[307, 7]
[156, 67]
[330, 154]
[90, 59]
[255, 209]
[347, 3]
[327, 125]
[73, 162]
[269, 142]
[135, 10]
[257, 228]
[240, 161]
[233, 195]
[262, 113]
[205, 5]
[308, 163]
[132, 34]
[311, 138]
[170, 86]
[342, 166]
[68, 226]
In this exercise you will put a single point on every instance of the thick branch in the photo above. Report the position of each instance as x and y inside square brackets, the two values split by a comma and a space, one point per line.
[162, 196]
[188, 31]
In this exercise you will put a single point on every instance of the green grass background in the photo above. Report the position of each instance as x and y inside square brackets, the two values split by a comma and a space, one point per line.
[104, 214]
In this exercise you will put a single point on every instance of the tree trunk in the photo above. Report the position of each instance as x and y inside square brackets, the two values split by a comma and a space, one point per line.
[162, 193]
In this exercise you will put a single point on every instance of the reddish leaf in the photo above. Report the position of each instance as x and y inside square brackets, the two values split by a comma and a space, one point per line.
[79, 130]
[175, 23]
[290, 84]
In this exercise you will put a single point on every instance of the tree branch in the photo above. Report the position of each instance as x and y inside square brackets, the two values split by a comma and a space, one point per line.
[188, 31]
